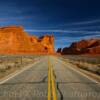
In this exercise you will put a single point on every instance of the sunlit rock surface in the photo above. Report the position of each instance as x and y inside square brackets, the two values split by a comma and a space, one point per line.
[13, 40]
[90, 46]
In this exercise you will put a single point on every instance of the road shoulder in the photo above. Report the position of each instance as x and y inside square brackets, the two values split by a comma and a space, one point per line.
[15, 73]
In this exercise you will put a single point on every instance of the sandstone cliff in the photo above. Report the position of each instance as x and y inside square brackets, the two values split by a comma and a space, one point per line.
[90, 46]
[59, 50]
[14, 40]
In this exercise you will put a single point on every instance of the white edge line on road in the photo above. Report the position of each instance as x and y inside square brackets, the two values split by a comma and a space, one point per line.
[10, 76]
[93, 80]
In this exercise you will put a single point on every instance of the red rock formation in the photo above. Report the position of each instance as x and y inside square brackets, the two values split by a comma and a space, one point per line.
[59, 50]
[33, 39]
[46, 43]
[14, 40]
[91, 46]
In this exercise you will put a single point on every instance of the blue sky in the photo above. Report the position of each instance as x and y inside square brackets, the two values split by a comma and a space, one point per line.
[69, 20]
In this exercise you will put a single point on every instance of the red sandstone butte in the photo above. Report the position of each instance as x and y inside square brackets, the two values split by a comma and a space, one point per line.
[13, 40]
[90, 46]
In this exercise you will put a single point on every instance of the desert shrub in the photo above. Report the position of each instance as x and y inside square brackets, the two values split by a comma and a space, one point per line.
[98, 65]
[2, 70]
[98, 71]
[8, 67]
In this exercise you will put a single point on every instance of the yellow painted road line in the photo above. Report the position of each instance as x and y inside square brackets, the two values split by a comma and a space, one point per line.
[53, 85]
[49, 81]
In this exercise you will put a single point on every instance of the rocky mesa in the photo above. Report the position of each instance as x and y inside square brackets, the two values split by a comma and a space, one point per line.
[13, 40]
[89, 46]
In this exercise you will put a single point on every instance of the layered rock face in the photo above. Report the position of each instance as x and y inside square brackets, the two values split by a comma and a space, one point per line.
[91, 46]
[13, 40]
[43, 44]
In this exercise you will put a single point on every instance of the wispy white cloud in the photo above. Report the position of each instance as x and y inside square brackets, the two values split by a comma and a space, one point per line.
[82, 23]
[5, 19]
[61, 31]
[70, 39]
[85, 27]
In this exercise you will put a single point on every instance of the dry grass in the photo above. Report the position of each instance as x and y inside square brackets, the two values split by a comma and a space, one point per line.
[9, 64]
[89, 63]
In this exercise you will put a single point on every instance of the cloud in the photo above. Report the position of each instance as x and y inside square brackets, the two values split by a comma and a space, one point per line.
[61, 31]
[14, 18]
[85, 28]
[82, 23]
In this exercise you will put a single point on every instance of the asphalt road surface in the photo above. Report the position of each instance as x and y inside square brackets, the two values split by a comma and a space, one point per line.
[50, 79]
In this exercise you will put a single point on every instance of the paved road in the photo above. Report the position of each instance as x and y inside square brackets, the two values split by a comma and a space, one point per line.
[32, 84]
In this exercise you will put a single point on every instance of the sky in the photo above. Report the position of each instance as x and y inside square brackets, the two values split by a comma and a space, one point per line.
[68, 20]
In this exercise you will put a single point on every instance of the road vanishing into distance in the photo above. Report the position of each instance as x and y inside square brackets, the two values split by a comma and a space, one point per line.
[50, 79]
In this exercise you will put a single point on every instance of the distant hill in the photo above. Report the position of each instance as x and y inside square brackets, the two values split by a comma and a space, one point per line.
[89, 46]
[13, 40]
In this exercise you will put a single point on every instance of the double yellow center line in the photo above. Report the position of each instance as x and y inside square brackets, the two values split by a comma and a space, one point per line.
[51, 83]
